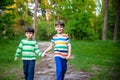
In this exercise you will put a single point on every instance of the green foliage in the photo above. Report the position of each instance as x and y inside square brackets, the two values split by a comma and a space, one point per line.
[99, 26]
[13, 18]
[45, 30]
[28, 21]
[79, 27]
[4, 3]
[78, 15]
[6, 24]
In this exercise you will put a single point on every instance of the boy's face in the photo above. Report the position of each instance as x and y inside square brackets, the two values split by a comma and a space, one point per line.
[59, 29]
[29, 35]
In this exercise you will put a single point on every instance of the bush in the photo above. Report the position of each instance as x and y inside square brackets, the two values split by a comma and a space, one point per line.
[45, 30]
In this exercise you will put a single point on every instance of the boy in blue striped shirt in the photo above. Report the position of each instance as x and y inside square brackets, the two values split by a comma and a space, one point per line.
[62, 50]
[29, 48]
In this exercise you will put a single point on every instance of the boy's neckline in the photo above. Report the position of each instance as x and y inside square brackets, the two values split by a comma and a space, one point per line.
[60, 34]
[29, 39]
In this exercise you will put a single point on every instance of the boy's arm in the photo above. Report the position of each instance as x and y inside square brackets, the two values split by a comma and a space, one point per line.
[18, 51]
[69, 51]
[37, 50]
[47, 50]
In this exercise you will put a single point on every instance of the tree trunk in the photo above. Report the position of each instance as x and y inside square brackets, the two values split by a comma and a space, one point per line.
[48, 11]
[35, 18]
[116, 21]
[104, 34]
[26, 8]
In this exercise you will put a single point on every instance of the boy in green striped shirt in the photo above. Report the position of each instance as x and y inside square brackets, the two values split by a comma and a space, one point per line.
[29, 48]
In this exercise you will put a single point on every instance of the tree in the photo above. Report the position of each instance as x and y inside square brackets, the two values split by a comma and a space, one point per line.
[104, 34]
[116, 20]
[35, 17]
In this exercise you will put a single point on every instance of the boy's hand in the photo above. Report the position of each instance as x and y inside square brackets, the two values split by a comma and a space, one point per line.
[15, 59]
[68, 57]
[43, 54]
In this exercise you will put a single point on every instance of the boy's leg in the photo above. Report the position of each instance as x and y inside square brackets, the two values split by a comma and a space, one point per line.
[58, 62]
[31, 70]
[64, 67]
[25, 68]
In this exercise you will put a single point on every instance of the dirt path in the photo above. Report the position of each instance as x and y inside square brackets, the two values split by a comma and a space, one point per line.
[45, 69]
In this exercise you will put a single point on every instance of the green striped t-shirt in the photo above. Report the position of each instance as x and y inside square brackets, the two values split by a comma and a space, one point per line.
[29, 49]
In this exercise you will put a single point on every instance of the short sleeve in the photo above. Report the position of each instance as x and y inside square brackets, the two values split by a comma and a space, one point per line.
[68, 40]
[52, 42]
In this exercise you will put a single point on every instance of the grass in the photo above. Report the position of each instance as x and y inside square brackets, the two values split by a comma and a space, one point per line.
[7, 63]
[99, 58]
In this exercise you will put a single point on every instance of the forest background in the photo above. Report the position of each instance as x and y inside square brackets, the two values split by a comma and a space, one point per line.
[84, 19]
